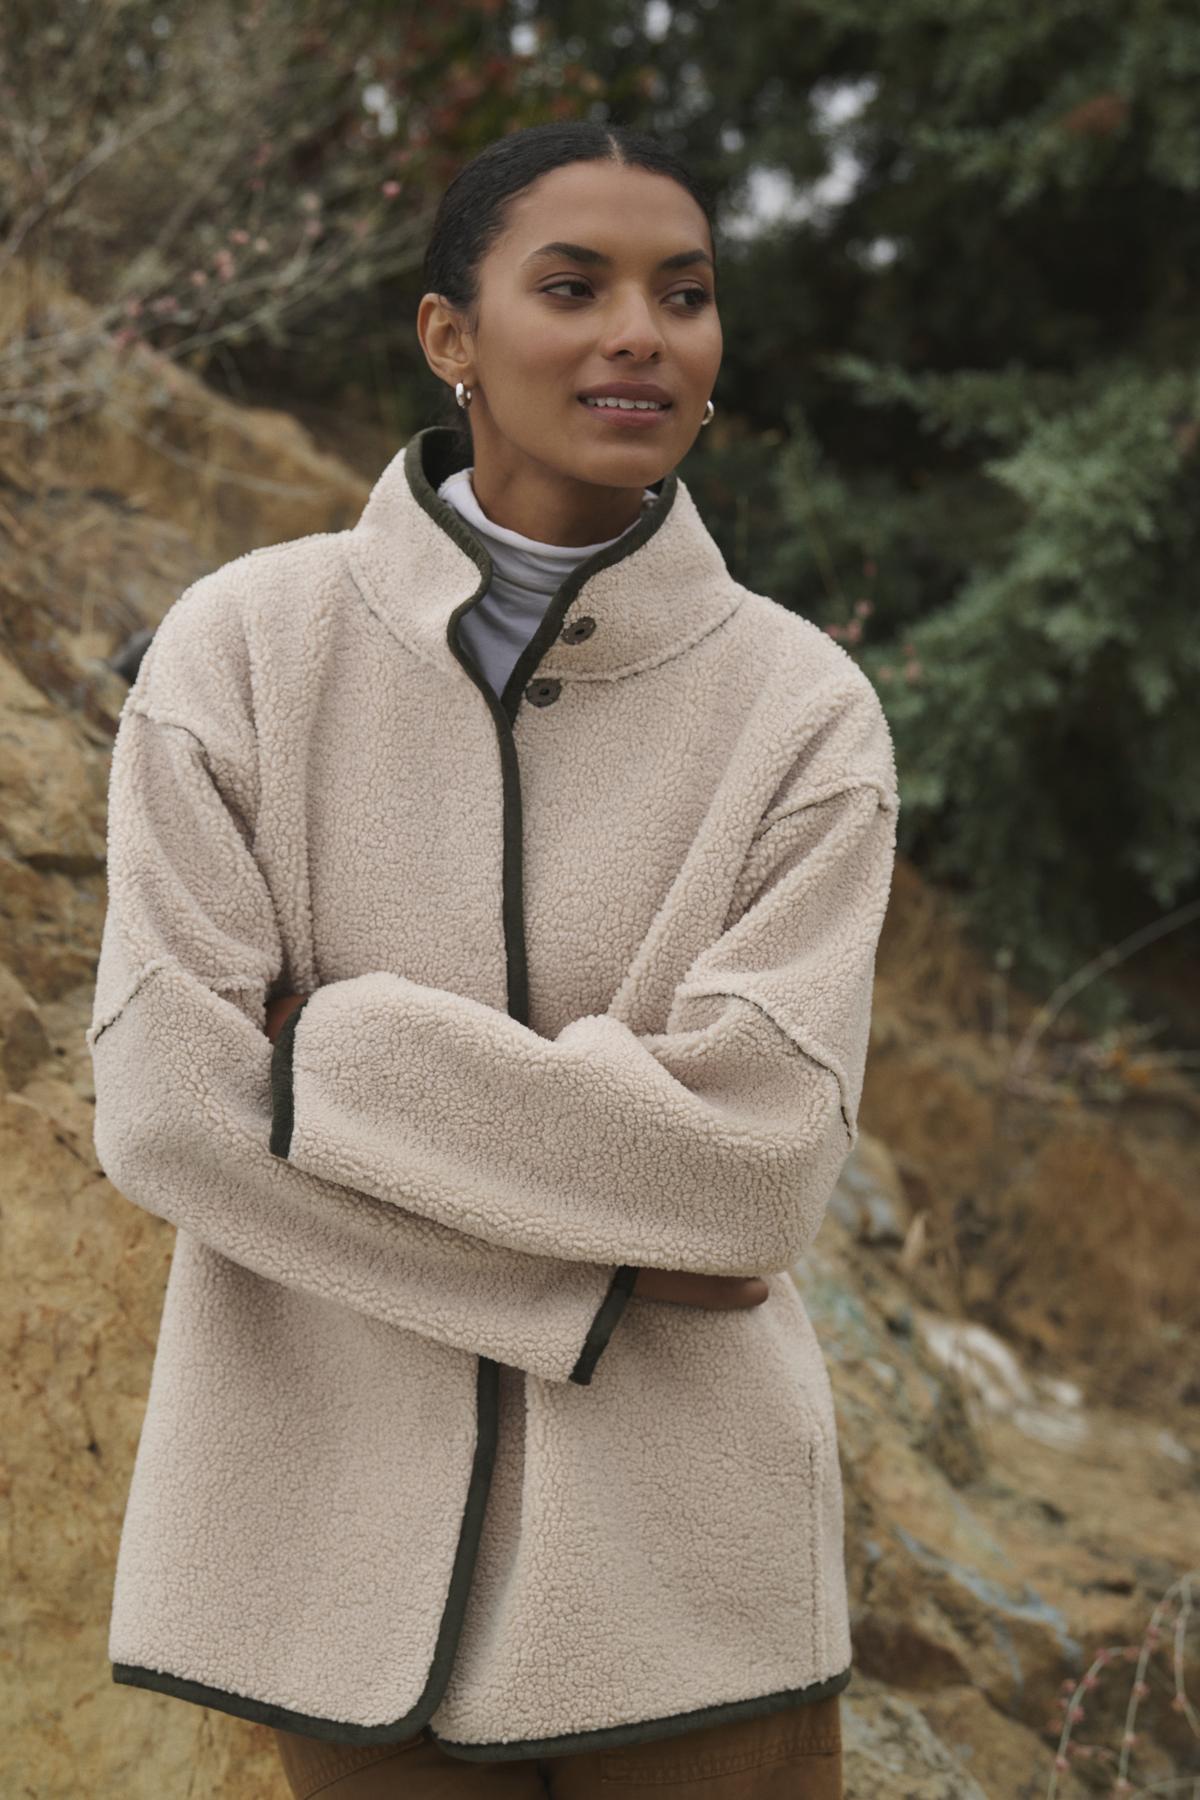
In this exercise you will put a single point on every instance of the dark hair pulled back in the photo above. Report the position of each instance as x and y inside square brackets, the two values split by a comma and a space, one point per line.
[473, 211]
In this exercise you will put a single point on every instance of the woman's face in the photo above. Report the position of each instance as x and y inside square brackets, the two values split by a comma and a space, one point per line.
[551, 323]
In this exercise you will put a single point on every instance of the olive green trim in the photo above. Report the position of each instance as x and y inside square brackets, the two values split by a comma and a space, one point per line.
[338, 1731]
[602, 1326]
[653, 519]
[435, 453]
[643, 1731]
[432, 455]
[283, 1103]
[649, 1731]
[512, 896]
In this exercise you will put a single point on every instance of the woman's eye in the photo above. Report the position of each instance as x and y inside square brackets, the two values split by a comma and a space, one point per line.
[698, 295]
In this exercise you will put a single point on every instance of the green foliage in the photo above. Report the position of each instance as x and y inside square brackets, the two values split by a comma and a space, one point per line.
[985, 399]
[1048, 742]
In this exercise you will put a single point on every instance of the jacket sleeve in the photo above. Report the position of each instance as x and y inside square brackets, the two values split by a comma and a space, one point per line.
[182, 1069]
[712, 1146]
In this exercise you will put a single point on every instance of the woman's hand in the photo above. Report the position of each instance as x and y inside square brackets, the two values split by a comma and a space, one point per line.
[725, 1293]
[278, 1010]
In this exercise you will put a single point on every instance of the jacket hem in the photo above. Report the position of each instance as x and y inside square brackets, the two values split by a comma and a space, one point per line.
[640, 1731]
[645, 1731]
[264, 1712]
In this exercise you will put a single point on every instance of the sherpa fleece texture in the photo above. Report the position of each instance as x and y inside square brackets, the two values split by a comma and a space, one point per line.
[589, 969]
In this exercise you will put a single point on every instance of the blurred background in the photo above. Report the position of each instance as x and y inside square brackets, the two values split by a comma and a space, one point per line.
[958, 425]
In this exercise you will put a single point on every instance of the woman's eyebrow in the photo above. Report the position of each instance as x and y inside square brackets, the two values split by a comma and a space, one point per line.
[581, 253]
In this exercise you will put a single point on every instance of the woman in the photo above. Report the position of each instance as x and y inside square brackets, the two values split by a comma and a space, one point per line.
[419, 1488]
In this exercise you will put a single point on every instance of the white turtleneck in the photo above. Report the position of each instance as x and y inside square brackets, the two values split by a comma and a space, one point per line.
[526, 575]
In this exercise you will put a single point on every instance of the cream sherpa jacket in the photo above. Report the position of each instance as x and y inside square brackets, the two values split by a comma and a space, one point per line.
[589, 969]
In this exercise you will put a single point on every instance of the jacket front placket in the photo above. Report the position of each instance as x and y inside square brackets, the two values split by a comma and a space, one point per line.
[524, 684]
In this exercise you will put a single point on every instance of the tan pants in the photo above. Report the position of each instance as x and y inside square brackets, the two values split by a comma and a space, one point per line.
[795, 1754]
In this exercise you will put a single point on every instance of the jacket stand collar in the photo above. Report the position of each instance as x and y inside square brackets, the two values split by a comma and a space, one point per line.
[416, 561]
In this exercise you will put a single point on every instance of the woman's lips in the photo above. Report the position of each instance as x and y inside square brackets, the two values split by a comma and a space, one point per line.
[638, 417]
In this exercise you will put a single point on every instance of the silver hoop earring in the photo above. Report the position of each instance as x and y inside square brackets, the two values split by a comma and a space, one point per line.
[459, 392]
[709, 410]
